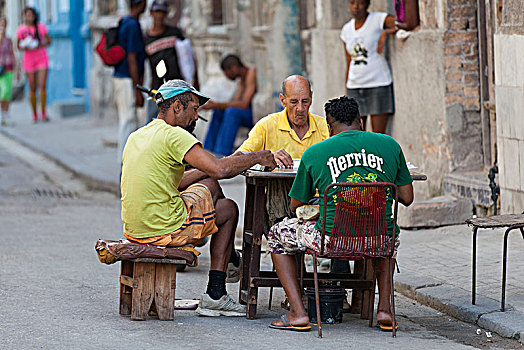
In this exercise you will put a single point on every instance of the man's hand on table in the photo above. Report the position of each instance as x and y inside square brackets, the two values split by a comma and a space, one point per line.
[283, 159]
[267, 159]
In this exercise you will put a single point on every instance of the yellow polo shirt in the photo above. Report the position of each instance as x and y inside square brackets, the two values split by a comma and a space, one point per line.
[273, 132]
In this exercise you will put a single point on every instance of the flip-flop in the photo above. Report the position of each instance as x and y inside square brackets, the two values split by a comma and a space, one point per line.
[289, 327]
[386, 328]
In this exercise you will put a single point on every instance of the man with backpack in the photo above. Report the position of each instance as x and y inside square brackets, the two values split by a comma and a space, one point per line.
[129, 72]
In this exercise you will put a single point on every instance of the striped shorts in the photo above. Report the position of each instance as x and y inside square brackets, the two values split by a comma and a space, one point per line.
[199, 223]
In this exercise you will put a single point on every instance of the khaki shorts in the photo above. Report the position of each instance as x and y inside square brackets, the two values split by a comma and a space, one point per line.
[199, 223]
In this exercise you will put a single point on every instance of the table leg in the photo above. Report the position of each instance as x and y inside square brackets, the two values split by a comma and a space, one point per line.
[254, 266]
[368, 296]
[474, 267]
[357, 295]
[246, 240]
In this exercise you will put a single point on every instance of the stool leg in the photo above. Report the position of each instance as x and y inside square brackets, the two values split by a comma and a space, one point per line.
[144, 278]
[317, 297]
[504, 266]
[126, 292]
[474, 267]
[165, 283]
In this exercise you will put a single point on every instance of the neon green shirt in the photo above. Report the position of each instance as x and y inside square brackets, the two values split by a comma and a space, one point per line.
[350, 156]
[153, 165]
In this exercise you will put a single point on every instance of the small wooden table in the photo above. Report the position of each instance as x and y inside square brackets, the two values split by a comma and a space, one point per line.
[512, 222]
[252, 276]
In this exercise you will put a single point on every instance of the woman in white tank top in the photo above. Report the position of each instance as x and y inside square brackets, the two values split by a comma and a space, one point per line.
[368, 78]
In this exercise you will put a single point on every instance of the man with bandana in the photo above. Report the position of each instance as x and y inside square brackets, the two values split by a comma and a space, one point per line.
[162, 204]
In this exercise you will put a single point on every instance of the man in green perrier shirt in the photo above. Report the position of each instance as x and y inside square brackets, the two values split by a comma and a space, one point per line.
[349, 155]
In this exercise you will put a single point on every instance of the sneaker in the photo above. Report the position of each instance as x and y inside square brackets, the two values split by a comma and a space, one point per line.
[224, 306]
[233, 272]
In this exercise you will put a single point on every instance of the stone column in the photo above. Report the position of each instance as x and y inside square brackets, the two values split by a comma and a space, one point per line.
[509, 91]
[284, 44]
[328, 66]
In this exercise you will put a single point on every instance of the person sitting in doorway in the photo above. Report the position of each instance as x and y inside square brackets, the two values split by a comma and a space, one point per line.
[229, 116]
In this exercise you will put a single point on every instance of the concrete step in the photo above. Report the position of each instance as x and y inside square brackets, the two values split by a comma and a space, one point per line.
[435, 212]
[469, 185]
[465, 194]
[68, 108]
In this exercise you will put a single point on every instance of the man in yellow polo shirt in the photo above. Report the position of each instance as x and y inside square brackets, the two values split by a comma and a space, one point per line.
[288, 133]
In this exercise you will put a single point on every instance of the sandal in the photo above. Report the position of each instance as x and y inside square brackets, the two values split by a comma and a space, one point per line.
[386, 328]
[287, 326]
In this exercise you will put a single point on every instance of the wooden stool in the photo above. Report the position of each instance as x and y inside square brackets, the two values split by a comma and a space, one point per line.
[148, 284]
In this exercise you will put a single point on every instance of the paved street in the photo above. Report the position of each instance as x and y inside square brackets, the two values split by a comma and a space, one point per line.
[55, 293]
[445, 254]
[58, 214]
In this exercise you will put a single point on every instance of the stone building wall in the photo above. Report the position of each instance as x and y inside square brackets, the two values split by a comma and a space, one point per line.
[435, 70]
[509, 91]
[264, 34]
[436, 81]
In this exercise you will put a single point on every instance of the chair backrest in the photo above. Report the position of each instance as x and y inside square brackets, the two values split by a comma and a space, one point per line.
[360, 225]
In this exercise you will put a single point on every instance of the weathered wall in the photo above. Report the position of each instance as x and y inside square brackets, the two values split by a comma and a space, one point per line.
[435, 70]
[436, 81]
[265, 34]
[419, 123]
[435, 74]
[509, 90]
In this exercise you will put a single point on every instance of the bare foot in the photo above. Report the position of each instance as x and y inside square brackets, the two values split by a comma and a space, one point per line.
[384, 318]
[295, 320]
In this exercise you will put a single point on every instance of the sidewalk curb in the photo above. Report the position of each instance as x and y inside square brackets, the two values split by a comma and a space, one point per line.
[456, 302]
[91, 182]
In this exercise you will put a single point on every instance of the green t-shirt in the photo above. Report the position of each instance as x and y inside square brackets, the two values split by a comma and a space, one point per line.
[152, 167]
[350, 156]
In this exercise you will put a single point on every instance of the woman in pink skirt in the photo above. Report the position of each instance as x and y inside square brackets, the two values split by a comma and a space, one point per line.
[32, 39]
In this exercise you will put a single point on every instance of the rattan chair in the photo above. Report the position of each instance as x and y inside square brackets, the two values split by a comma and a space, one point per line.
[359, 230]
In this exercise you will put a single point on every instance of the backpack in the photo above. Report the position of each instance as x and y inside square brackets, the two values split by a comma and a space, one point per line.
[109, 48]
